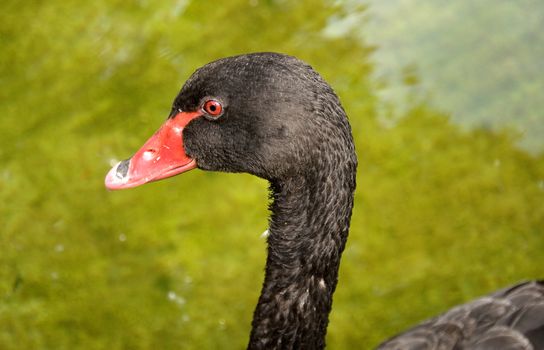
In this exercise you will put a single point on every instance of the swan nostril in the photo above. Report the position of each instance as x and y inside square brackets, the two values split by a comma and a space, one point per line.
[122, 169]
[149, 154]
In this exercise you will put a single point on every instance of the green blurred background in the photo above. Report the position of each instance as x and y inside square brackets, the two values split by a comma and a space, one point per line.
[445, 99]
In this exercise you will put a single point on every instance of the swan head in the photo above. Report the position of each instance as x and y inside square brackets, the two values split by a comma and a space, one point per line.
[266, 114]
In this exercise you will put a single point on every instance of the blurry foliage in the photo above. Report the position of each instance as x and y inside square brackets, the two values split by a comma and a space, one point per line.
[442, 215]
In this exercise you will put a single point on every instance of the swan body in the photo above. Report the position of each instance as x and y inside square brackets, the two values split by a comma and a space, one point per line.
[273, 116]
[512, 318]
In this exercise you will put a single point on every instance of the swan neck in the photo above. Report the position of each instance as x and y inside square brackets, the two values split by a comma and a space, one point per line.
[307, 234]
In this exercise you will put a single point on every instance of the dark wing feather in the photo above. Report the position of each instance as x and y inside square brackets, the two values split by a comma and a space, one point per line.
[509, 319]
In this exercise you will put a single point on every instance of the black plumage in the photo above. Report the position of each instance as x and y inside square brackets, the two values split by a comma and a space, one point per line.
[512, 318]
[281, 121]
[285, 124]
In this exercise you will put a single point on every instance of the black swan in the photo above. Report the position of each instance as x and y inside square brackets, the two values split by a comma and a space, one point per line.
[273, 116]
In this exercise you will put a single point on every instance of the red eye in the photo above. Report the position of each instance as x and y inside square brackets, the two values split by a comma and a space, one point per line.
[213, 108]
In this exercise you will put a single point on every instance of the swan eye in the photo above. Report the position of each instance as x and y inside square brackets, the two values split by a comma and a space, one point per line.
[213, 108]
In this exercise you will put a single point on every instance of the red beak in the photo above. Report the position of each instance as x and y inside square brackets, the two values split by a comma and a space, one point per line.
[160, 157]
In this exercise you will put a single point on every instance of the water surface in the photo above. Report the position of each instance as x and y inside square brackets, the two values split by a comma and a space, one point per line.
[444, 101]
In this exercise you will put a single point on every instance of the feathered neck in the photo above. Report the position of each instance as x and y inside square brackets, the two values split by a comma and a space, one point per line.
[308, 230]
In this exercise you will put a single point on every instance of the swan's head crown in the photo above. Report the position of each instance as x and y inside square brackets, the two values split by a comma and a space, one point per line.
[276, 109]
